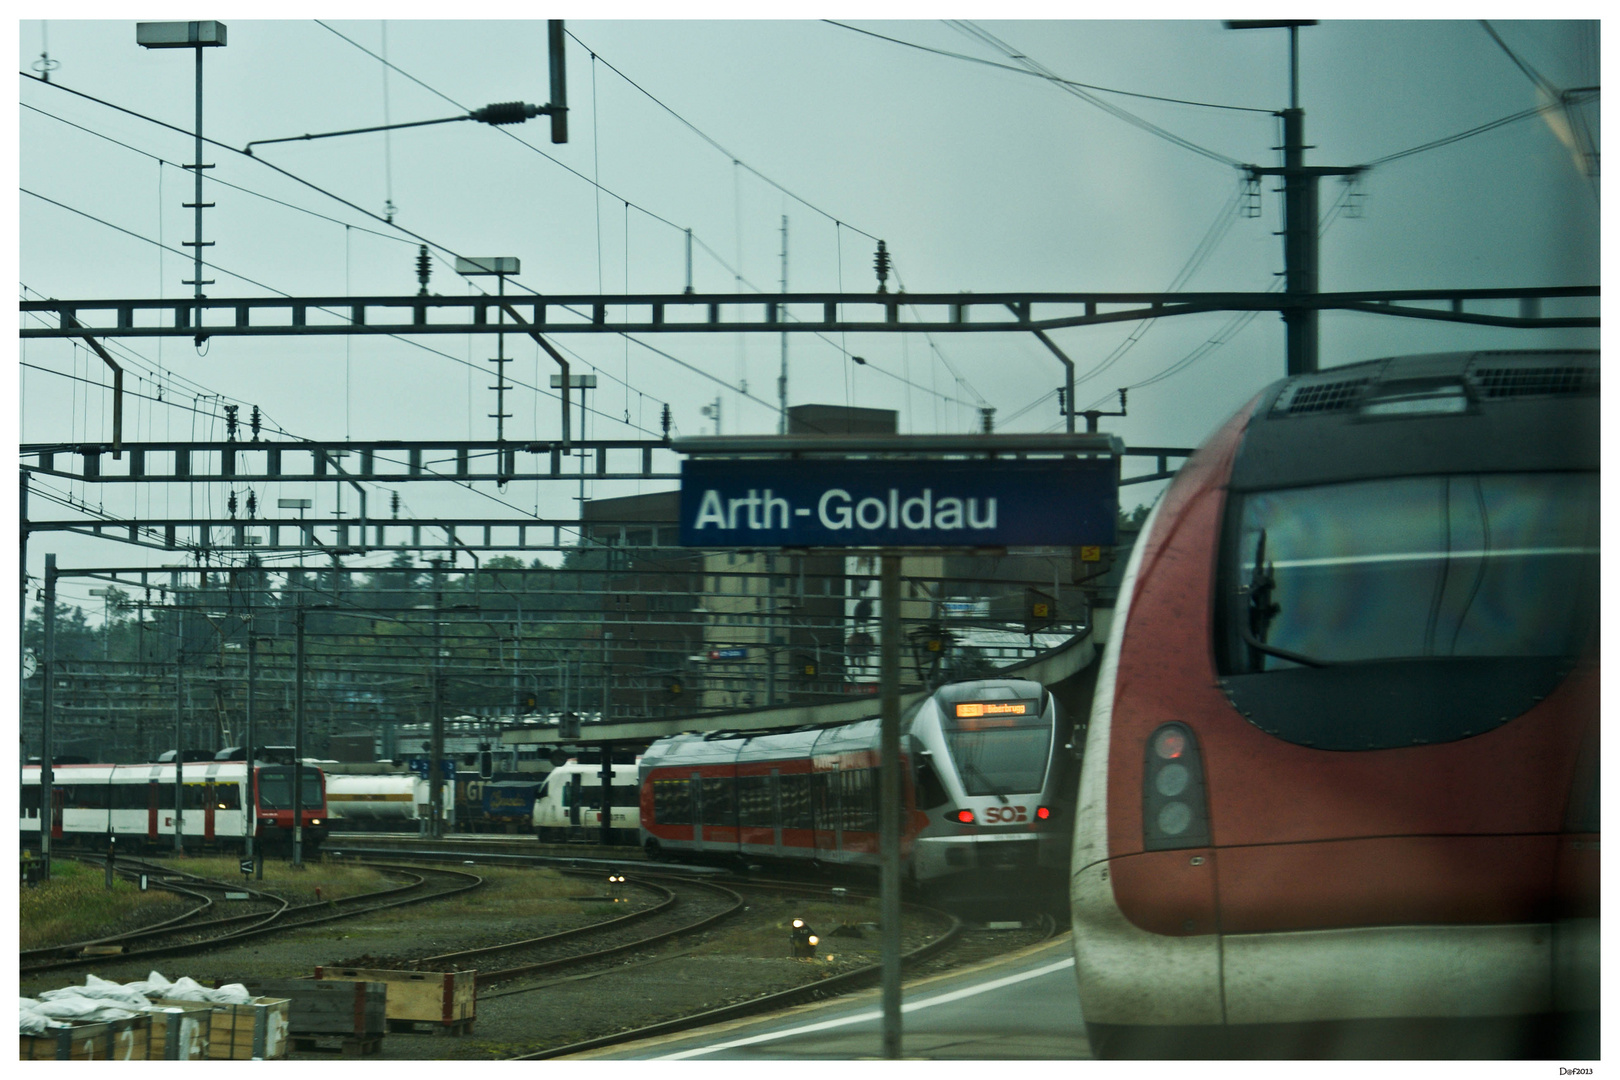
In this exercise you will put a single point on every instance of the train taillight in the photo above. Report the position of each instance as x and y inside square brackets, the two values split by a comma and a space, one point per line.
[1042, 813]
[964, 816]
[1174, 811]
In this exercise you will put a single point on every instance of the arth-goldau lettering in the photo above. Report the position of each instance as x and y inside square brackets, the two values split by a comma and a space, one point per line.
[838, 510]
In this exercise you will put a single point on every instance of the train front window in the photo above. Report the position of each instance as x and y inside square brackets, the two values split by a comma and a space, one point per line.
[1000, 748]
[1456, 601]
[276, 784]
[1493, 565]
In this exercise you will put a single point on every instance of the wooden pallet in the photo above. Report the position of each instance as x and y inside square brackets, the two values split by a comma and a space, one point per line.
[348, 1045]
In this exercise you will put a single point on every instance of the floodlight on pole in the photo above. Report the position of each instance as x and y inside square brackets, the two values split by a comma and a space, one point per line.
[189, 35]
[499, 266]
[106, 619]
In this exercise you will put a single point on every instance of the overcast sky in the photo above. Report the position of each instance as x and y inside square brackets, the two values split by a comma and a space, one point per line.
[979, 176]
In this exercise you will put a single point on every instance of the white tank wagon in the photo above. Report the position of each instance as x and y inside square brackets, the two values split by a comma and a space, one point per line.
[568, 806]
[393, 801]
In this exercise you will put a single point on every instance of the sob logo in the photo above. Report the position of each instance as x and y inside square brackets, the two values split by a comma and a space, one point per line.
[837, 510]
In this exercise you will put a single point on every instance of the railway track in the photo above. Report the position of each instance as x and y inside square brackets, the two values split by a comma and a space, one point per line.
[189, 934]
[927, 945]
[682, 906]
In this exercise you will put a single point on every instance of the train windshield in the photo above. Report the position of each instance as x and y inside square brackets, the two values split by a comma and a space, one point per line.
[1498, 565]
[1000, 747]
[276, 784]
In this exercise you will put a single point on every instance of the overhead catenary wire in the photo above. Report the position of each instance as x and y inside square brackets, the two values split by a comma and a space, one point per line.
[1085, 95]
[733, 158]
[737, 163]
[1049, 77]
[279, 292]
[359, 209]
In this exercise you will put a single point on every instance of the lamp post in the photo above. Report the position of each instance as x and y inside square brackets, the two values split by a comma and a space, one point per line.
[581, 383]
[198, 36]
[301, 505]
[499, 266]
[106, 619]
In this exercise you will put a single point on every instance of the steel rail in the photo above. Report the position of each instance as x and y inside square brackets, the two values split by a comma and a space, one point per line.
[828, 987]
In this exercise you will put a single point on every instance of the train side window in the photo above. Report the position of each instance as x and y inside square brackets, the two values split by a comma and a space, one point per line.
[227, 797]
[85, 797]
[754, 801]
[871, 783]
[930, 792]
[672, 802]
[129, 796]
[29, 801]
[823, 800]
[719, 801]
[795, 792]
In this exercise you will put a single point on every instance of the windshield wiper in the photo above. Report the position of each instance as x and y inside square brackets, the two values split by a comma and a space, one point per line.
[966, 765]
[1262, 609]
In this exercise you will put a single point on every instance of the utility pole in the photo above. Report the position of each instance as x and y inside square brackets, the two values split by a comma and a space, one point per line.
[179, 724]
[1301, 278]
[198, 36]
[22, 586]
[47, 672]
[889, 796]
[298, 736]
[436, 720]
[782, 379]
[250, 812]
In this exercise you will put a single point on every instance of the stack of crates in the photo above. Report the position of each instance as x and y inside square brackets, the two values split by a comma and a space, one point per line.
[255, 1031]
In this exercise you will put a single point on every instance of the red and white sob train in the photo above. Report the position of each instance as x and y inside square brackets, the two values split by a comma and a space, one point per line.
[987, 791]
[1340, 787]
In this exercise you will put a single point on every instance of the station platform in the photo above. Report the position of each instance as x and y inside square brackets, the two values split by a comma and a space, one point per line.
[1021, 1007]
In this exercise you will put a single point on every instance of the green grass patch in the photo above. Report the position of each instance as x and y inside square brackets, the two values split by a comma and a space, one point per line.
[514, 893]
[297, 884]
[75, 905]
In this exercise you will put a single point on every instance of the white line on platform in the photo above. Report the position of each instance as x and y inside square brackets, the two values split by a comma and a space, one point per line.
[873, 1014]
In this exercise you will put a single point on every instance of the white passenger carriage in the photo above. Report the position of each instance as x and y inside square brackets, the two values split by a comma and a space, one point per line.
[137, 803]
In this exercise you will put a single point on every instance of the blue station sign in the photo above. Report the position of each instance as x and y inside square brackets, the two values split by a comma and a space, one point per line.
[978, 502]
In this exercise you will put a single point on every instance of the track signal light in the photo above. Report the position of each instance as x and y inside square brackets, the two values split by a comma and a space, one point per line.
[803, 940]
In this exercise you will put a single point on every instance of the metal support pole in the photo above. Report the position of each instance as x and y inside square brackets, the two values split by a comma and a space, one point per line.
[22, 587]
[889, 808]
[436, 721]
[47, 672]
[782, 379]
[250, 812]
[500, 368]
[196, 233]
[607, 677]
[607, 794]
[179, 727]
[1299, 245]
[298, 737]
[1068, 381]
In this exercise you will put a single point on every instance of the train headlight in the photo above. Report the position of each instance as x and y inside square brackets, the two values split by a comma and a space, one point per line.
[1170, 743]
[314, 821]
[1172, 779]
[1174, 813]
[1174, 818]
[964, 816]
